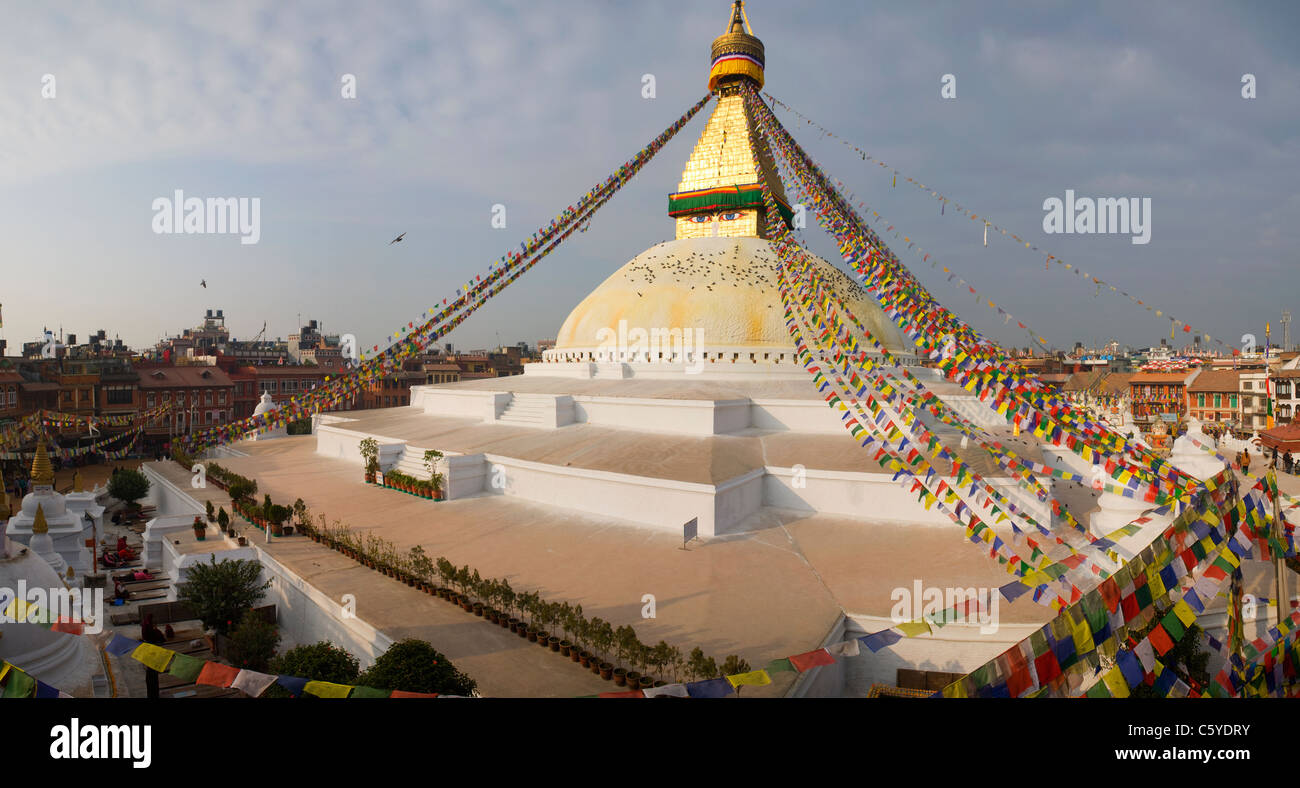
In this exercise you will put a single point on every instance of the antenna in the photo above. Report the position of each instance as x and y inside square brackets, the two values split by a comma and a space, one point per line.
[1286, 330]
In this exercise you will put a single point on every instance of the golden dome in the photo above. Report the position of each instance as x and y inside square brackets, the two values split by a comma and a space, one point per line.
[736, 53]
[42, 471]
[726, 288]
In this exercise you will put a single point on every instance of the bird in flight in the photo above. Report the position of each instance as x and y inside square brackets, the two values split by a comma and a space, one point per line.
[398, 238]
[204, 283]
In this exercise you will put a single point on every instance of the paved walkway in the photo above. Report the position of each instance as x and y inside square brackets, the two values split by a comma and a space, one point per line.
[503, 664]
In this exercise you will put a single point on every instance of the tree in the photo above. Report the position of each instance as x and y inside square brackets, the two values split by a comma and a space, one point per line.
[252, 644]
[129, 486]
[413, 665]
[220, 591]
[223, 519]
[322, 661]
[701, 667]
[733, 665]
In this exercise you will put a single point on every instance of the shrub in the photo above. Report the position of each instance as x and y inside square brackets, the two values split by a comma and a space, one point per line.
[128, 486]
[220, 591]
[416, 666]
[322, 661]
[253, 642]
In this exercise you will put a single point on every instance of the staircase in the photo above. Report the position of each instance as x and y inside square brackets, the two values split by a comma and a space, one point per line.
[529, 410]
[412, 463]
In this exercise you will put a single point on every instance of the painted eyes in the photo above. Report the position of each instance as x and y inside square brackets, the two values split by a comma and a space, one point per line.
[700, 219]
[726, 217]
[729, 217]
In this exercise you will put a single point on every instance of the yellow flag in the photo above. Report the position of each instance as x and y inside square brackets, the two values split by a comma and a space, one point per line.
[756, 678]
[1185, 613]
[153, 656]
[327, 689]
[913, 628]
[1115, 682]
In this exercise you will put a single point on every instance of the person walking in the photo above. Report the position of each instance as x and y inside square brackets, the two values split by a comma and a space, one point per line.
[1245, 461]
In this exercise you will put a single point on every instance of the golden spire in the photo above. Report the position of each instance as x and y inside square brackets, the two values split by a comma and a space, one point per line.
[42, 471]
[721, 190]
[39, 526]
[76, 482]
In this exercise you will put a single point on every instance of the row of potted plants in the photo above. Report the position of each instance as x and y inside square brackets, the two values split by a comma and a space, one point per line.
[430, 488]
[558, 626]
[423, 488]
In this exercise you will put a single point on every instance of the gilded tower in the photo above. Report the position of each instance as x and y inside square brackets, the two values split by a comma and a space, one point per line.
[720, 194]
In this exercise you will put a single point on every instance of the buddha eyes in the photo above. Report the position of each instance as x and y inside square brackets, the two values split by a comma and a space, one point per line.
[704, 217]
[728, 217]
[700, 219]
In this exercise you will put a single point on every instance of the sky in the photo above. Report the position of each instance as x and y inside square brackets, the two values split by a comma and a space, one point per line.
[462, 106]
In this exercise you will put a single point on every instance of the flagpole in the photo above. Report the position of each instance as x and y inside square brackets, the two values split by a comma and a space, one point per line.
[1283, 597]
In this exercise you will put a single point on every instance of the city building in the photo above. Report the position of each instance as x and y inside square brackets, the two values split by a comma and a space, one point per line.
[1213, 396]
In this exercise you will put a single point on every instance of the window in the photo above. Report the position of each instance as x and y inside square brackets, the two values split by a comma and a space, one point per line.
[167, 397]
[306, 384]
[270, 386]
[1246, 385]
[13, 397]
[118, 395]
[1232, 401]
[221, 398]
[1200, 400]
[149, 400]
[1218, 401]
[207, 397]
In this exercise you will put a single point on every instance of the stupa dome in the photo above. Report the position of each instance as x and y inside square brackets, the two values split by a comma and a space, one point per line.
[727, 288]
[265, 404]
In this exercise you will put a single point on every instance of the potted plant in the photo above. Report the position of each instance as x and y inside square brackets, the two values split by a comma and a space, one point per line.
[212, 514]
[223, 520]
[431, 458]
[276, 515]
[200, 530]
[369, 448]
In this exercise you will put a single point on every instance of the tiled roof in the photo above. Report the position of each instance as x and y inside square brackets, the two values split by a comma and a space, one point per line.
[1216, 380]
[173, 377]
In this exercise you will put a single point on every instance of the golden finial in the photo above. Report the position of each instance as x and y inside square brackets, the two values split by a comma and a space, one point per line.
[42, 471]
[39, 526]
[737, 53]
[76, 482]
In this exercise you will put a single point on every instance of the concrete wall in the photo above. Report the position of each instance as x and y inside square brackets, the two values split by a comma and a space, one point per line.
[306, 615]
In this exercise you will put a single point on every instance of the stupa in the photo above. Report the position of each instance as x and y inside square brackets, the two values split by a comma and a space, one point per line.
[60, 660]
[266, 405]
[686, 342]
[706, 303]
[65, 527]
